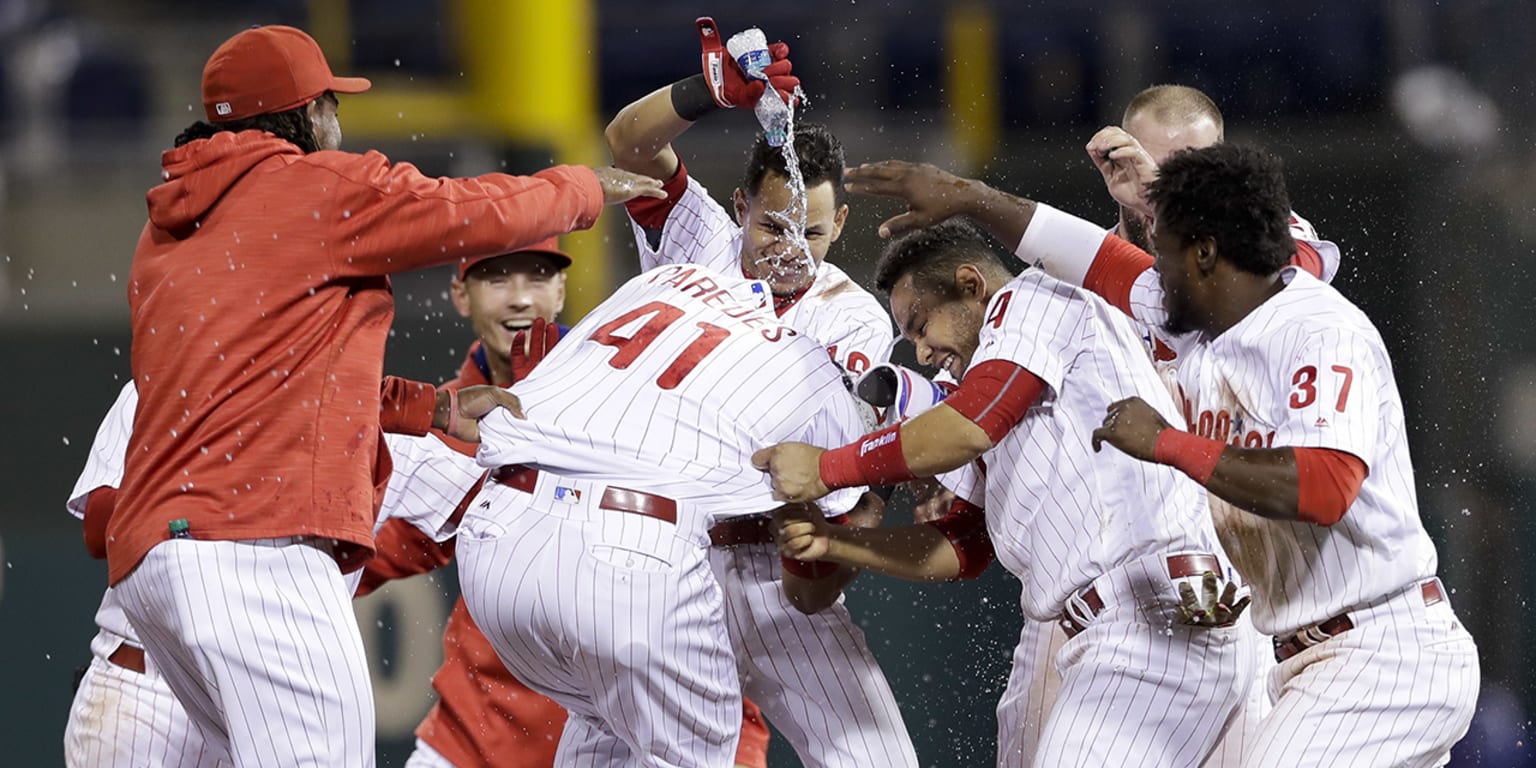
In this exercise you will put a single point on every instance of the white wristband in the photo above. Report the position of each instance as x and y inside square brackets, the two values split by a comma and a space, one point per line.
[1060, 243]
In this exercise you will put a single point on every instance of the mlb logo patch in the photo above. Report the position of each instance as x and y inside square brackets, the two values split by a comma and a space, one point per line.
[567, 495]
[222, 108]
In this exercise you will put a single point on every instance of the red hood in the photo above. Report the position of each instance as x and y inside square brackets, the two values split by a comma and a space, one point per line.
[198, 173]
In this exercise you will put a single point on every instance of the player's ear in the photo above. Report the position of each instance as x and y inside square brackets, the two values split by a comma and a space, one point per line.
[459, 293]
[1205, 255]
[838, 221]
[970, 282]
[740, 199]
[559, 292]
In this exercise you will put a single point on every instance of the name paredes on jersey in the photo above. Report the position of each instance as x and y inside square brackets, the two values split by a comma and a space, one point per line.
[1221, 425]
[687, 281]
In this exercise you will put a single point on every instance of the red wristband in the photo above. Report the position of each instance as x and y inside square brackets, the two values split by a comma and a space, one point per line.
[1189, 453]
[874, 461]
[453, 412]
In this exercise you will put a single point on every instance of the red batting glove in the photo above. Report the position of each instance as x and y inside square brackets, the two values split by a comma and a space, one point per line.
[728, 84]
[779, 73]
[529, 347]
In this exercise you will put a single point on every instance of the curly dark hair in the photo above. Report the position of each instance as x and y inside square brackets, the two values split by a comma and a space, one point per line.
[932, 254]
[819, 152]
[292, 125]
[1232, 194]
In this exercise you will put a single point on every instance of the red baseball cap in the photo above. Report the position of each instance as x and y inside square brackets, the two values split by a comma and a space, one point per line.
[550, 247]
[268, 69]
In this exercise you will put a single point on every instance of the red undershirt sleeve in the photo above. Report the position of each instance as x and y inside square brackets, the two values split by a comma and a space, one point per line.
[1327, 483]
[966, 528]
[651, 213]
[99, 505]
[1115, 269]
[995, 395]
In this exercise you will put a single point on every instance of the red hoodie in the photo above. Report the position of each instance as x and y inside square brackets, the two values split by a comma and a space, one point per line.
[260, 308]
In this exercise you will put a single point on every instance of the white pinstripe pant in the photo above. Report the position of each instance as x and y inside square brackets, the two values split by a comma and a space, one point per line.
[126, 719]
[1138, 688]
[813, 675]
[1398, 689]
[260, 645]
[610, 614]
[1034, 683]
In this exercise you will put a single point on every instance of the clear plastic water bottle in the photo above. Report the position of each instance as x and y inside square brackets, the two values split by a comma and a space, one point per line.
[750, 49]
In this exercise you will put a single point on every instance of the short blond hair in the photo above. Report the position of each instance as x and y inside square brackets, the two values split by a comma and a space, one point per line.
[1176, 104]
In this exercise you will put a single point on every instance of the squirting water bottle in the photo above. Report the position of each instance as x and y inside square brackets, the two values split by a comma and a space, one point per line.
[750, 49]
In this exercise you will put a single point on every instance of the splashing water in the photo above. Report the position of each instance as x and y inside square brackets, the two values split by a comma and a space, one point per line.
[795, 261]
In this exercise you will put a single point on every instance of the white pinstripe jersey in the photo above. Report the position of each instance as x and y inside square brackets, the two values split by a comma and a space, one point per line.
[1059, 514]
[1308, 369]
[669, 387]
[427, 483]
[835, 311]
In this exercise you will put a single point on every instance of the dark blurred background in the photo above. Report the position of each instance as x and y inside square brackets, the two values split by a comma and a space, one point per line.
[1405, 126]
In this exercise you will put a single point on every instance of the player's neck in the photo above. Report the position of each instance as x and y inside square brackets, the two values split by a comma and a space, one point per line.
[1241, 293]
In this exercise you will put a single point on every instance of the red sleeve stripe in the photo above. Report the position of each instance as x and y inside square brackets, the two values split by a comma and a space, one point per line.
[966, 529]
[1114, 271]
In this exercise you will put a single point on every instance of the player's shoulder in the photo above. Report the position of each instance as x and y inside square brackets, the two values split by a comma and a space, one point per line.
[835, 288]
[1306, 312]
[1033, 292]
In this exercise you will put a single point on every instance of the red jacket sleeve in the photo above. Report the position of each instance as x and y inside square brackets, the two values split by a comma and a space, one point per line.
[966, 528]
[1327, 483]
[400, 550]
[405, 406]
[393, 218]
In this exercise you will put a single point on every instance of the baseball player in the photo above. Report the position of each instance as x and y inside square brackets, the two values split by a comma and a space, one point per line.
[124, 713]
[1100, 545]
[1297, 429]
[812, 673]
[1157, 122]
[484, 716]
[260, 304]
[584, 561]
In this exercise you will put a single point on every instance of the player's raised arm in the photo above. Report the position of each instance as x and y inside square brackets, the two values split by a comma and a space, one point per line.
[934, 195]
[640, 136]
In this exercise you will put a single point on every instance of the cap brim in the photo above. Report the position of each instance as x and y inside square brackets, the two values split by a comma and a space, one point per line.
[350, 84]
[565, 261]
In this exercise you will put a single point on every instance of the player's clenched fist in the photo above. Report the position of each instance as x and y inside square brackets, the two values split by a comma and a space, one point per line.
[1132, 426]
[795, 469]
[801, 531]
[623, 186]
[1127, 168]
